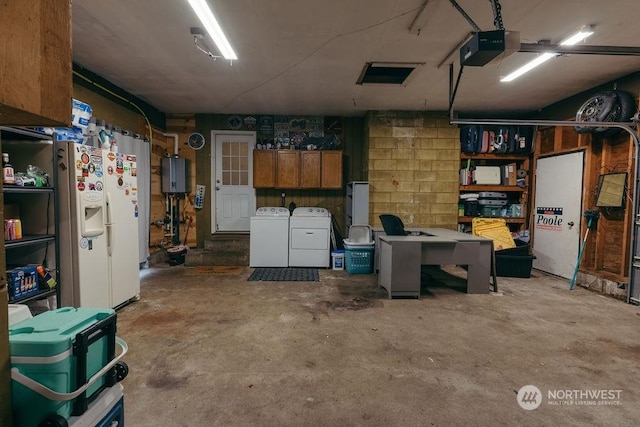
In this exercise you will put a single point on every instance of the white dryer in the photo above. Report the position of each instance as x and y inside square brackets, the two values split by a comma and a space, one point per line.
[310, 237]
[269, 238]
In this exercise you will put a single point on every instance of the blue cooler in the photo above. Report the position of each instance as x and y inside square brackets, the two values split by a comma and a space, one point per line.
[106, 411]
[61, 360]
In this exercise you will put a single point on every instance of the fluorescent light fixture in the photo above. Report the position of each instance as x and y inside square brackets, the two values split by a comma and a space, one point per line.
[201, 8]
[569, 41]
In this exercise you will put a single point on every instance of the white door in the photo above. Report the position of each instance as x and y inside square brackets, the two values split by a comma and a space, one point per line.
[232, 172]
[558, 213]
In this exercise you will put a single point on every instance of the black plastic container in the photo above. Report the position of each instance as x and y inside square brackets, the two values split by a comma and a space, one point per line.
[514, 265]
[522, 248]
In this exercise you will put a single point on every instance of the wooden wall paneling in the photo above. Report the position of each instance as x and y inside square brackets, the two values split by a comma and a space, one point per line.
[593, 166]
[604, 231]
[569, 138]
[184, 126]
[628, 223]
[546, 141]
[557, 139]
[205, 123]
[36, 87]
[157, 213]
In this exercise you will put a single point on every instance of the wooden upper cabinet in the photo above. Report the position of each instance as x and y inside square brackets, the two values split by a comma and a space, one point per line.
[264, 169]
[310, 169]
[331, 169]
[288, 169]
[297, 169]
[36, 88]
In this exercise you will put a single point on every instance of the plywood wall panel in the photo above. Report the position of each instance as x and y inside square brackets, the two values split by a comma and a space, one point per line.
[35, 70]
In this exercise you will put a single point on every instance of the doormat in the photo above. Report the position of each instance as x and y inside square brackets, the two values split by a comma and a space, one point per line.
[262, 274]
[206, 270]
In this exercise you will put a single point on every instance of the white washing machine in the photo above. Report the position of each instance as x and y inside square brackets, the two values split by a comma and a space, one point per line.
[269, 238]
[310, 237]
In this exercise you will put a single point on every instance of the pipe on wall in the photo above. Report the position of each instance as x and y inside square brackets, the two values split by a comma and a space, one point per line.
[175, 142]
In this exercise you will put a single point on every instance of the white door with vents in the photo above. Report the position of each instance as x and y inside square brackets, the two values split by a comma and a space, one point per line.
[557, 213]
[232, 175]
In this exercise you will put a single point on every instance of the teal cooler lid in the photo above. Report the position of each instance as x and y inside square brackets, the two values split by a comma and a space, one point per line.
[52, 332]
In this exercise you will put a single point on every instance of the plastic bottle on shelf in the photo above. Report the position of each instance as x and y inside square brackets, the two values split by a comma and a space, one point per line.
[46, 277]
[8, 173]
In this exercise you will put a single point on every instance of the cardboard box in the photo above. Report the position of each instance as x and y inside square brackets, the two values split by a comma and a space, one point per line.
[22, 281]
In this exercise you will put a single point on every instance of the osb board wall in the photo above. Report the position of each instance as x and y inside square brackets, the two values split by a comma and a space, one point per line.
[35, 68]
[412, 165]
[606, 253]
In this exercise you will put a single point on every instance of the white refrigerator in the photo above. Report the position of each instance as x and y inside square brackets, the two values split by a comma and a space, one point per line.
[98, 199]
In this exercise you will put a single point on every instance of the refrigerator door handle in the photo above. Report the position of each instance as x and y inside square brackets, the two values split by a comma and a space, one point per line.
[109, 225]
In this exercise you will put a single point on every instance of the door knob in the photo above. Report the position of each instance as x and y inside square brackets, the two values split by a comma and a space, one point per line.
[571, 224]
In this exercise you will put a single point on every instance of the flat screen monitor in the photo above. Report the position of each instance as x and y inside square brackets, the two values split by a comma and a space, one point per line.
[611, 190]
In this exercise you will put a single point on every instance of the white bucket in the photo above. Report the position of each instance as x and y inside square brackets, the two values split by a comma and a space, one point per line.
[337, 260]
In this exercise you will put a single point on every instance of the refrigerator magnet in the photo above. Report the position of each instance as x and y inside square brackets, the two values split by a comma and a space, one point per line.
[79, 164]
[110, 170]
[99, 185]
[84, 243]
[111, 156]
[84, 158]
[81, 186]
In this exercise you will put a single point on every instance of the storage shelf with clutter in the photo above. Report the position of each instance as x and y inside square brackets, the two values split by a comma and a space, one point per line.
[495, 165]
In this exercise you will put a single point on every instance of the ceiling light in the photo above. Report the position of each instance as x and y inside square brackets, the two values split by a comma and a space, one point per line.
[201, 8]
[569, 41]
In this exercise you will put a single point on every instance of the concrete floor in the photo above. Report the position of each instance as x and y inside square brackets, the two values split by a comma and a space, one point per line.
[209, 348]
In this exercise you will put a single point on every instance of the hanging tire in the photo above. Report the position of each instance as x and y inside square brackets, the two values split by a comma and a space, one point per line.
[595, 109]
[623, 112]
[607, 106]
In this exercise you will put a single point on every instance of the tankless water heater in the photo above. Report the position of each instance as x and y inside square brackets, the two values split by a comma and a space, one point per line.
[175, 175]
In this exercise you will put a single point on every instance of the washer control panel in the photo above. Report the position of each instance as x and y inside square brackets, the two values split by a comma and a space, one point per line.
[272, 211]
[321, 212]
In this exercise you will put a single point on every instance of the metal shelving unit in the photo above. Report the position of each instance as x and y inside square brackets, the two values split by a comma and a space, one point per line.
[38, 205]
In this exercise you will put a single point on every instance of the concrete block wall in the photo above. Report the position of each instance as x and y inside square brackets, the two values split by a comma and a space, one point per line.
[412, 164]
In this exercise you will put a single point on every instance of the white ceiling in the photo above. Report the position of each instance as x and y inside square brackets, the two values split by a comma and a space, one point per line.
[304, 56]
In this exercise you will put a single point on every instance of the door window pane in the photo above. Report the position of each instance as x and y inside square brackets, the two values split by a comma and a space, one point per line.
[235, 163]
